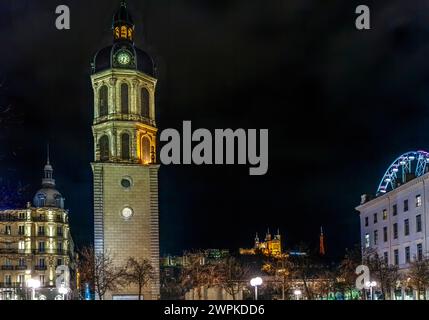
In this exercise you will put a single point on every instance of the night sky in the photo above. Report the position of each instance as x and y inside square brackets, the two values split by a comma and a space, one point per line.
[340, 104]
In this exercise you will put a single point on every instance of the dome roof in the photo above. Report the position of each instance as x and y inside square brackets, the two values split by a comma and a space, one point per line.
[105, 59]
[123, 38]
[48, 197]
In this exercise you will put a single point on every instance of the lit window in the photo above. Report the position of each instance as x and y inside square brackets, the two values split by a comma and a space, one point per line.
[418, 201]
[21, 245]
[21, 279]
[124, 32]
[367, 241]
[384, 214]
[42, 280]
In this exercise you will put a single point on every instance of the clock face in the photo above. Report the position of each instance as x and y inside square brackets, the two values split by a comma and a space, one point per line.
[124, 58]
[127, 213]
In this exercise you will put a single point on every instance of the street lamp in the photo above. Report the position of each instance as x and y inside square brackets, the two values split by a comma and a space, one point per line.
[63, 291]
[297, 293]
[370, 285]
[255, 282]
[33, 284]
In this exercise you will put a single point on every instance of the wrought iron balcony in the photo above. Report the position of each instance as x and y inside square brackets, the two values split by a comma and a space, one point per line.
[10, 218]
[9, 268]
[12, 285]
[40, 268]
[21, 268]
[59, 252]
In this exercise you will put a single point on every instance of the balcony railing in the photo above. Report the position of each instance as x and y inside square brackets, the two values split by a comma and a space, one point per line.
[4, 218]
[40, 268]
[11, 285]
[33, 252]
[21, 268]
[33, 219]
[9, 268]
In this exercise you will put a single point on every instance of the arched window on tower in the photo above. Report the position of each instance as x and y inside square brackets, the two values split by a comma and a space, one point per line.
[145, 103]
[146, 151]
[125, 146]
[124, 99]
[103, 107]
[104, 148]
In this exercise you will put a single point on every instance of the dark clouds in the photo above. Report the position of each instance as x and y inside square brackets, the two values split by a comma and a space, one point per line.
[340, 105]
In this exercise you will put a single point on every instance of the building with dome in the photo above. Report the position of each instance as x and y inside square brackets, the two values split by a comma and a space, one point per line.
[33, 242]
[125, 168]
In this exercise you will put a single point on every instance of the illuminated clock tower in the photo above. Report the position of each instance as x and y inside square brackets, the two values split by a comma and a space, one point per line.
[125, 167]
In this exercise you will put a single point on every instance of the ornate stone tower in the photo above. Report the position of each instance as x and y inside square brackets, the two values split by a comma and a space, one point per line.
[125, 168]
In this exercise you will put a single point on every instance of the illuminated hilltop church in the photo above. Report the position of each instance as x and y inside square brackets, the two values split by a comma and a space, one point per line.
[125, 169]
[272, 246]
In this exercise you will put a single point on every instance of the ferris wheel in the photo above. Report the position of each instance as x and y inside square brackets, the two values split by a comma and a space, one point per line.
[413, 163]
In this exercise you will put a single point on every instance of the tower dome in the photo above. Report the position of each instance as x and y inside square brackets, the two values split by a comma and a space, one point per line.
[123, 54]
[48, 195]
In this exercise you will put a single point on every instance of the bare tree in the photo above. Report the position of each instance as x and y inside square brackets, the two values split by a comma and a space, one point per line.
[98, 269]
[386, 275]
[347, 270]
[196, 273]
[233, 276]
[419, 276]
[139, 272]
[303, 269]
[283, 271]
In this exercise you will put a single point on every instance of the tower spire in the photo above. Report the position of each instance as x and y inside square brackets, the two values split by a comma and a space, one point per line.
[48, 180]
[47, 155]
[123, 24]
[322, 250]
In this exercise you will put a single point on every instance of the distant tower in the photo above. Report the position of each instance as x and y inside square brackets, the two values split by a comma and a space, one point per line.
[268, 236]
[257, 241]
[322, 251]
[278, 236]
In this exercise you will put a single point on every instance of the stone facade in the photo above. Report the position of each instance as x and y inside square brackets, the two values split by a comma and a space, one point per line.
[34, 242]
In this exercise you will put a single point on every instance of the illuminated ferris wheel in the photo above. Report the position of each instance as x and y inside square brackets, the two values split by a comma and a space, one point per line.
[407, 166]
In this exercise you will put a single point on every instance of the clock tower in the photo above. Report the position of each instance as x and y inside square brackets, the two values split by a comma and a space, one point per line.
[125, 165]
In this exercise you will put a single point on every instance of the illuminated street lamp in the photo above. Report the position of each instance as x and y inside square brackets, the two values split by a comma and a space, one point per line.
[255, 282]
[370, 285]
[33, 284]
[63, 291]
[297, 293]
